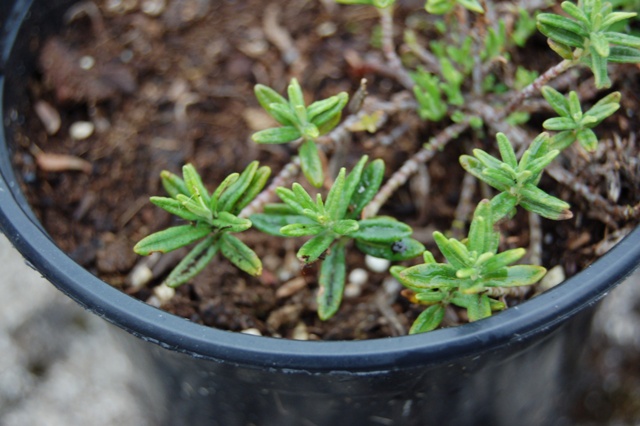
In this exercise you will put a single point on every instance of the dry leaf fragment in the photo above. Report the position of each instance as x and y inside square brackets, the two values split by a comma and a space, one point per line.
[61, 163]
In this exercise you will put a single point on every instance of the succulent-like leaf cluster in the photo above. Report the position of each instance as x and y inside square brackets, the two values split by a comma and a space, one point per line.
[518, 180]
[299, 121]
[473, 268]
[573, 124]
[333, 222]
[587, 36]
[213, 218]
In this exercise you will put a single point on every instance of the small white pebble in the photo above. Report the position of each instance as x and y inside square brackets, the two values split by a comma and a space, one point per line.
[358, 276]
[326, 29]
[252, 331]
[49, 116]
[153, 7]
[81, 130]
[553, 277]
[164, 293]
[300, 332]
[376, 264]
[87, 62]
[141, 276]
[352, 291]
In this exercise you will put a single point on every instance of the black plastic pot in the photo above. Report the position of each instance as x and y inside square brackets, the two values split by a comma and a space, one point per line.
[516, 367]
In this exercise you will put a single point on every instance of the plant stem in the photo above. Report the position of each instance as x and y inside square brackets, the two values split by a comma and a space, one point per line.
[410, 166]
[389, 49]
[535, 86]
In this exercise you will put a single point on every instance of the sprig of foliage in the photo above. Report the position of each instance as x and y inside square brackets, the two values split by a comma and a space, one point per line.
[587, 36]
[517, 180]
[299, 121]
[473, 268]
[573, 124]
[213, 218]
[333, 222]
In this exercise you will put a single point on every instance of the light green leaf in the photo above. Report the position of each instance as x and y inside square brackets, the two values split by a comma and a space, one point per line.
[559, 124]
[316, 246]
[483, 237]
[284, 115]
[536, 200]
[506, 151]
[600, 44]
[453, 250]
[330, 118]
[599, 69]
[336, 196]
[240, 254]
[345, 227]
[228, 222]
[622, 39]
[301, 229]
[500, 260]
[272, 223]
[228, 199]
[503, 205]
[624, 55]
[426, 276]
[404, 249]
[331, 281]
[173, 184]
[296, 98]
[267, 96]
[479, 308]
[195, 207]
[428, 320]
[257, 184]
[170, 239]
[311, 164]
[514, 276]
[587, 139]
[556, 100]
[193, 263]
[366, 189]
[174, 207]
[381, 230]
[228, 181]
[194, 184]
[277, 135]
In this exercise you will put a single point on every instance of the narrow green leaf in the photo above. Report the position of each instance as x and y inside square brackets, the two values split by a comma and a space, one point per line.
[174, 207]
[575, 109]
[272, 223]
[345, 227]
[536, 200]
[453, 250]
[503, 259]
[296, 98]
[277, 135]
[426, 276]
[336, 195]
[316, 246]
[366, 188]
[301, 229]
[290, 199]
[311, 164]
[472, 5]
[284, 115]
[302, 197]
[575, 12]
[404, 249]
[562, 140]
[257, 184]
[170, 239]
[514, 276]
[556, 100]
[599, 69]
[587, 139]
[553, 21]
[622, 39]
[536, 166]
[331, 281]
[194, 183]
[624, 55]
[240, 254]
[319, 107]
[559, 124]
[195, 207]
[600, 43]
[483, 237]
[328, 119]
[230, 197]
[173, 184]
[193, 263]
[503, 205]
[480, 308]
[614, 17]
[381, 230]
[506, 151]
[563, 50]
[498, 178]
[561, 38]
[428, 320]
[228, 181]
[228, 222]
[267, 96]
[350, 184]
[486, 159]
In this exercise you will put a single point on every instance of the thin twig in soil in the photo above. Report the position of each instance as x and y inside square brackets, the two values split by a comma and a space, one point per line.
[465, 205]
[410, 166]
[535, 239]
[389, 49]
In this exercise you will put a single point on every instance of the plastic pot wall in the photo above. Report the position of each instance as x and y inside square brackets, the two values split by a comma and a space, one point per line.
[517, 367]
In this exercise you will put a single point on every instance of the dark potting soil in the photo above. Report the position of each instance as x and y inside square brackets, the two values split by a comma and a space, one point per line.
[167, 86]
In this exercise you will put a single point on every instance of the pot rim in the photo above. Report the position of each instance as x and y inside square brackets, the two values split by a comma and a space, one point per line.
[538, 316]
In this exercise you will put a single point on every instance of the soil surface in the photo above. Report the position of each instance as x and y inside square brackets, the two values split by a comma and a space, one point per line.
[141, 87]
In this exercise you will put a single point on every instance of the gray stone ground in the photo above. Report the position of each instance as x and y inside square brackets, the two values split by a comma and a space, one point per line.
[61, 366]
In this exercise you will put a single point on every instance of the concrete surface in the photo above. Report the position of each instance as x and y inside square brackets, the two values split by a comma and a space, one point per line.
[61, 366]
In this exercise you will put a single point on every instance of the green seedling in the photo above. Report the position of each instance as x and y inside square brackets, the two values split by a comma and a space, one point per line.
[573, 124]
[587, 36]
[212, 219]
[333, 223]
[517, 180]
[471, 276]
[300, 122]
[440, 7]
